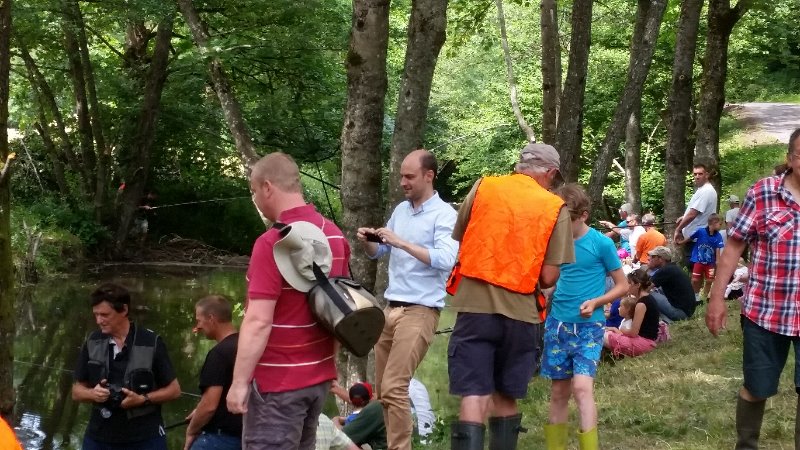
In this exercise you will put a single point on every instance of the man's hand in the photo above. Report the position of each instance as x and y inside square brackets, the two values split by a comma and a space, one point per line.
[587, 308]
[100, 392]
[237, 398]
[361, 233]
[716, 315]
[607, 224]
[388, 237]
[190, 438]
[131, 399]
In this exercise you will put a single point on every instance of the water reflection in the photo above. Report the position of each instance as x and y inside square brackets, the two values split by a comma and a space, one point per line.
[54, 318]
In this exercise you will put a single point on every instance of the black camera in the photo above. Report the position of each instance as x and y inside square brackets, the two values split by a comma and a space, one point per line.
[115, 396]
[114, 400]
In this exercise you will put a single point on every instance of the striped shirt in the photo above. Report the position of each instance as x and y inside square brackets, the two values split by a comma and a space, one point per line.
[299, 352]
[769, 220]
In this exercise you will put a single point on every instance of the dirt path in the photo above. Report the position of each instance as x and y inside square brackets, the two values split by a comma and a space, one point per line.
[775, 120]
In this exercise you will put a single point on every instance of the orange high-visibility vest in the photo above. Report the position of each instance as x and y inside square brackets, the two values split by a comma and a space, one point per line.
[8, 441]
[509, 228]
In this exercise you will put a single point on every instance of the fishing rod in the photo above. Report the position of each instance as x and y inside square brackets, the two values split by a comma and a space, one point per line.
[197, 202]
[177, 424]
[633, 226]
[189, 394]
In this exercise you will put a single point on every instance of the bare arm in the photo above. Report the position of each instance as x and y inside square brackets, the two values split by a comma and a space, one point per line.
[619, 289]
[162, 395]
[203, 413]
[717, 313]
[549, 276]
[636, 323]
[84, 393]
[370, 248]
[253, 337]
[339, 391]
[685, 220]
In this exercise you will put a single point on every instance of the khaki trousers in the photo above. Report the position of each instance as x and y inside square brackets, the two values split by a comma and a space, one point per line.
[406, 336]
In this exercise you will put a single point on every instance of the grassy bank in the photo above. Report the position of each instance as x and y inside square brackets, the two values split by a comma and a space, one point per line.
[680, 396]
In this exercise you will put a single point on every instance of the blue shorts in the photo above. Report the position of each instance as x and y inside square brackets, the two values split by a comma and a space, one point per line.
[764, 357]
[571, 349]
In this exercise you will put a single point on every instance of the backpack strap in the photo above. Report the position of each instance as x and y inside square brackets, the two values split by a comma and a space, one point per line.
[333, 294]
[322, 279]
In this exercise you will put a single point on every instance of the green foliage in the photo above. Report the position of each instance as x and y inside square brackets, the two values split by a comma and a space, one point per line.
[59, 250]
[285, 62]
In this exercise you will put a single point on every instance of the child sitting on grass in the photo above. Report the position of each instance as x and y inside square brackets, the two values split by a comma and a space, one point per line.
[641, 309]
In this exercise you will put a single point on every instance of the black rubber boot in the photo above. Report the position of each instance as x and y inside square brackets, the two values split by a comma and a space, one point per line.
[467, 435]
[504, 432]
[748, 423]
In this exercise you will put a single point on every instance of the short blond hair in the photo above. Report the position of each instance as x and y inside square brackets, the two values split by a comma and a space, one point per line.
[279, 169]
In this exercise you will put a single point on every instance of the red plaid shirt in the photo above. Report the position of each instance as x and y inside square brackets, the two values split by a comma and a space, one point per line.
[769, 221]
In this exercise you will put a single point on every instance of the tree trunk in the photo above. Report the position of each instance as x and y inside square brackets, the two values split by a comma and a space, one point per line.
[512, 82]
[648, 19]
[426, 35]
[633, 154]
[551, 69]
[361, 140]
[7, 329]
[138, 170]
[680, 113]
[41, 87]
[570, 115]
[222, 86]
[363, 126]
[721, 20]
[52, 153]
[77, 75]
[103, 152]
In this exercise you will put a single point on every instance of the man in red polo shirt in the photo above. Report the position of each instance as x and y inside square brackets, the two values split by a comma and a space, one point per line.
[286, 360]
[769, 221]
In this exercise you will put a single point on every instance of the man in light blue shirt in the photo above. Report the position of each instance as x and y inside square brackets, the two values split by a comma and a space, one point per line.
[421, 255]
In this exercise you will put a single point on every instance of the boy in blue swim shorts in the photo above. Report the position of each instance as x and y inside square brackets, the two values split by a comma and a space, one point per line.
[573, 331]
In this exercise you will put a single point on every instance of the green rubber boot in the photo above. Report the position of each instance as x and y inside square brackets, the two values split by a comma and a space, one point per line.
[555, 436]
[588, 440]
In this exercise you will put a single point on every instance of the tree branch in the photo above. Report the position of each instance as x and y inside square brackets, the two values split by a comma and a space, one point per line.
[741, 8]
[512, 83]
[104, 41]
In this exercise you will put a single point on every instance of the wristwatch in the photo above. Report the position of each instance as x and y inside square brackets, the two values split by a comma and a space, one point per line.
[147, 401]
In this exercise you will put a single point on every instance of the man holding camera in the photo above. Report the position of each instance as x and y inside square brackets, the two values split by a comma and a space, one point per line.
[421, 254]
[125, 372]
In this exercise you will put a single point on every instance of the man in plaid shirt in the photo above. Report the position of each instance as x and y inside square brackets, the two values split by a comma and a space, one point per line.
[769, 221]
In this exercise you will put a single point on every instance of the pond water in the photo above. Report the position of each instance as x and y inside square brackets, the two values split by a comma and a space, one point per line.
[54, 318]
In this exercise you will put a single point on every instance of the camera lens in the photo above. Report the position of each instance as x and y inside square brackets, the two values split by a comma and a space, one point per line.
[105, 412]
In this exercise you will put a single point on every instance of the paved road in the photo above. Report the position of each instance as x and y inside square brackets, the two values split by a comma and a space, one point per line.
[777, 120]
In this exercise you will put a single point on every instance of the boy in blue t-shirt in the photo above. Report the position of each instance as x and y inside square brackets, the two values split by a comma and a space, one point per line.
[573, 331]
[707, 245]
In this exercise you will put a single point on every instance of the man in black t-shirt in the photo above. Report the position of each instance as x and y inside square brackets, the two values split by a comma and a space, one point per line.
[674, 294]
[125, 372]
[212, 426]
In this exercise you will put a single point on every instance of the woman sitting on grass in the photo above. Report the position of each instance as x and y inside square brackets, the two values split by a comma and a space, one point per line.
[641, 308]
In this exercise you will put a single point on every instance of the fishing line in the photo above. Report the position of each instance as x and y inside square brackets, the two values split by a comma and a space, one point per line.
[189, 394]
